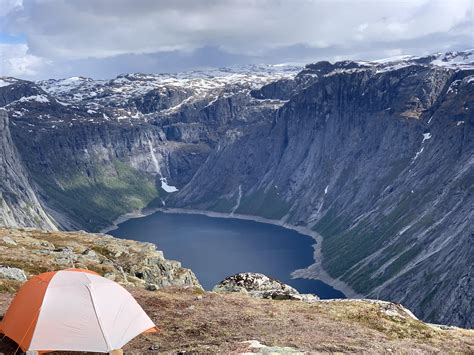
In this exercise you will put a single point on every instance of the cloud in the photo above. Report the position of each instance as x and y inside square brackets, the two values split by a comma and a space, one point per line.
[94, 31]
[15, 61]
[9, 6]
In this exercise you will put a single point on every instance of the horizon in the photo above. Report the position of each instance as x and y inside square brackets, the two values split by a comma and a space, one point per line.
[102, 39]
[250, 65]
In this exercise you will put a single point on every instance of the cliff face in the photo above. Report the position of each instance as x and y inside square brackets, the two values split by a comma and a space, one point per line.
[19, 203]
[103, 171]
[376, 157]
[99, 149]
[380, 163]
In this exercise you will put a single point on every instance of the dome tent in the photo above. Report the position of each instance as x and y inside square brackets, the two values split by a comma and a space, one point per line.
[73, 310]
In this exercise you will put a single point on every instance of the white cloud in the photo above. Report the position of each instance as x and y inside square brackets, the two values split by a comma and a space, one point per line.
[15, 61]
[9, 6]
[103, 28]
[107, 37]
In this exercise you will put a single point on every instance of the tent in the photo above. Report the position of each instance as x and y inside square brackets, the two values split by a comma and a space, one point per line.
[73, 310]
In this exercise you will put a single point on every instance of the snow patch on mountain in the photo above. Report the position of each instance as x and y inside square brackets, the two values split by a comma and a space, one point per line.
[426, 136]
[37, 98]
[166, 187]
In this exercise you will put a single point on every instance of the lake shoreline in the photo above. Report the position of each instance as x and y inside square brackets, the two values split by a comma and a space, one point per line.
[314, 271]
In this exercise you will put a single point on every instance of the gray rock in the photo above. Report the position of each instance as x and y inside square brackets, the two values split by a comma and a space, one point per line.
[19, 201]
[151, 287]
[261, 286]
[375, 161]
[12, 273]
[9, 241]
[91, 254]
[111, 276]
[65, 256]
[255, 347]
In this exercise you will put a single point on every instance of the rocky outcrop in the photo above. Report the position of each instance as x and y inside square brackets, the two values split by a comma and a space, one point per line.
[125, 261]
[261, 286]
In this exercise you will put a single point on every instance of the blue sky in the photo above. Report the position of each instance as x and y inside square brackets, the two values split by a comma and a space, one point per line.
[8, 38]
[103, 38]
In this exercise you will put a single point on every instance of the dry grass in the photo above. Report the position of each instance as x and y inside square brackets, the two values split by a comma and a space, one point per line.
[214, 323]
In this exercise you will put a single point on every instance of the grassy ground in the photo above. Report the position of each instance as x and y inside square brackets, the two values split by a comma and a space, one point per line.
[193, 321]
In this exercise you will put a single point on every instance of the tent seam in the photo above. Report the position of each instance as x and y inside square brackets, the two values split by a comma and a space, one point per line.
[38, 313]
[97, 314]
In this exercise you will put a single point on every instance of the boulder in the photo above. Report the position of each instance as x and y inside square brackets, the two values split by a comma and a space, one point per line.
[9, 241]
[261, 286]
[12, 273]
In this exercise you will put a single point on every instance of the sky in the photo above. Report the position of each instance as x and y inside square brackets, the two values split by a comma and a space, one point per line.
[42, 39]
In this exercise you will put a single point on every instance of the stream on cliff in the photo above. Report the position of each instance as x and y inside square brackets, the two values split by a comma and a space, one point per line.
[215, 248]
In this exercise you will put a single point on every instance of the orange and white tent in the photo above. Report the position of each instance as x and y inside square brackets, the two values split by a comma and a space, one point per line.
[73, 310]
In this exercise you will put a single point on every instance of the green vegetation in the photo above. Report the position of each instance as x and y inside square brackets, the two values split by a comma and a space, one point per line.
[98, 198]
[428, 298]
[343, 247]
[331, 224]
[224, 205]
[265, 204]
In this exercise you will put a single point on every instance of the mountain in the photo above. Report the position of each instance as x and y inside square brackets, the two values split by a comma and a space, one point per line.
[377, 157]
[97, 147]
[19, 203]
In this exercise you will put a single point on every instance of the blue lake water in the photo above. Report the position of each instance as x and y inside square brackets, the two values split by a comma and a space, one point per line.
[215, 248]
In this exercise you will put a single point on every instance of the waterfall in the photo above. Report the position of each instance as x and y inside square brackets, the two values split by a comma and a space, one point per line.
[237, 204]
[153, 157]
[164, 181]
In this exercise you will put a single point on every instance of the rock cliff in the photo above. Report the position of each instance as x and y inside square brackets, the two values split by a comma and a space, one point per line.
[379, 161]
[19, 202]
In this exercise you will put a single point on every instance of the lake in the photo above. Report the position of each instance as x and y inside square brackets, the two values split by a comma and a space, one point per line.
[215, 248]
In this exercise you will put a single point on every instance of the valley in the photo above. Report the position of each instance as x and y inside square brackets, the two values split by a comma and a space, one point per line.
[215, 248]
[376, 157]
